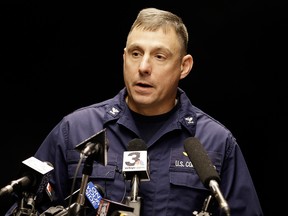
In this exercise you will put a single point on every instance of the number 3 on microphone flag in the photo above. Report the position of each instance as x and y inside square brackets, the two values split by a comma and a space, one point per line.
[135, 162]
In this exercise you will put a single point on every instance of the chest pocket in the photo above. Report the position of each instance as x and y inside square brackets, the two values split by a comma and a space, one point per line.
[182, 172]
[185, 184]
[110, 177]
[99, 171]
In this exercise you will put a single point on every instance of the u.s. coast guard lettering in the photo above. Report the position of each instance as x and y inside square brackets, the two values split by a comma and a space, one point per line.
[180, 160]
[181, 163]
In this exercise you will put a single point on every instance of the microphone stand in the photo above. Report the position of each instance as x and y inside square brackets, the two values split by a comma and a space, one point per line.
[210, 200]
[26, 206]
[134, 200]
[94, 148]
[204, 211]
[77, 207]
[86, 172]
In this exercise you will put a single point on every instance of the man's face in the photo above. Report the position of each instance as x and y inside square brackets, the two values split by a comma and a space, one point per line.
[152, 69]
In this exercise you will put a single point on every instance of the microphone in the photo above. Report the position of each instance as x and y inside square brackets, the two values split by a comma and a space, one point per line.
[34, 178]
[205, 170]
[135, 168]
[111, 208]
[93, 193]
[95, 200]
[95, 146]
[30, 186]
[135, 164]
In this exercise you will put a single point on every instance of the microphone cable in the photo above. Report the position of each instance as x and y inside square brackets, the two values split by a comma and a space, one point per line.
[82, 156]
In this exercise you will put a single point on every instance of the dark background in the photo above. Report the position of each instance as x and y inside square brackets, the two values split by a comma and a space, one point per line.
[58, 57]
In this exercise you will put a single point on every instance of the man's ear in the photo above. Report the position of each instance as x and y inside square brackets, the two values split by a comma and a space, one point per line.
[186, 65]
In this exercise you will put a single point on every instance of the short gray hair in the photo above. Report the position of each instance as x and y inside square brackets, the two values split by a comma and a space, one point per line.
[152, 19]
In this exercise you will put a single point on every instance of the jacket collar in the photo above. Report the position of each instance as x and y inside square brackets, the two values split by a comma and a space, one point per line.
[185, 116]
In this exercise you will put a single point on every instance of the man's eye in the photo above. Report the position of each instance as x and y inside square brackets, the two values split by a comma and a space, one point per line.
[135, 54]
[160, 57]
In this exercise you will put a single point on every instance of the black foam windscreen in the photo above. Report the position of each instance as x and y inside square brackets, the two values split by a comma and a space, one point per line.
[201, 161]
[137, 145]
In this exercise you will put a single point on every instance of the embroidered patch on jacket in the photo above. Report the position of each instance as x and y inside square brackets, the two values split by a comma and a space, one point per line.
[113, 111]
[189, 120]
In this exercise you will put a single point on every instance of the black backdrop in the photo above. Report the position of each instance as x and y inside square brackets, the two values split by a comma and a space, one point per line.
[58, 57]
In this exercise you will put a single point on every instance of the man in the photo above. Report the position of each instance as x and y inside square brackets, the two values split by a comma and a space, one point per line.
[154, 109]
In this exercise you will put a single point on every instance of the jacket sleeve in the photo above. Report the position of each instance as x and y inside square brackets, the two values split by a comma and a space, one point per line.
[54, 150]
[236, 183]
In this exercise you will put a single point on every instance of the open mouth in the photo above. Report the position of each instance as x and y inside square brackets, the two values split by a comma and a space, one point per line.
[143, 85]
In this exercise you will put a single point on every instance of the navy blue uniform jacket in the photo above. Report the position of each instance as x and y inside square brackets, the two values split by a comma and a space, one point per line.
[174, 187]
